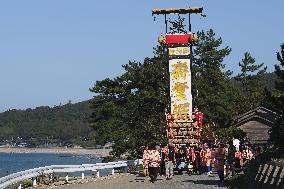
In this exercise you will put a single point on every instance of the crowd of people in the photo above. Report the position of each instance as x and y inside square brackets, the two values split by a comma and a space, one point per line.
[226, 159]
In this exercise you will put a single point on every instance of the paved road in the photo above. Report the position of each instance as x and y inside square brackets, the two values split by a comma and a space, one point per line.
[137, 182]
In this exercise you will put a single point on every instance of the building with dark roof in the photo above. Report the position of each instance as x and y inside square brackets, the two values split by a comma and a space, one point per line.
[257, 124]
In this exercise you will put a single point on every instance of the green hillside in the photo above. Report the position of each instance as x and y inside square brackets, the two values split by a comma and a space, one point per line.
[269, 80]
[60, 125]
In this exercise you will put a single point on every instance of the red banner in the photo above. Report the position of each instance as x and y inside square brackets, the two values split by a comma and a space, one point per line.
[178, 38]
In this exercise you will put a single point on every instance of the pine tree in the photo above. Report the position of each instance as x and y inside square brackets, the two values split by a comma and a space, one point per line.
[215, 92]
[277, 98]
[130, 109]
[250, 84]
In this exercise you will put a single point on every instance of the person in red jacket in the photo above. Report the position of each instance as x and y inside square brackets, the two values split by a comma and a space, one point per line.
[154, 163]
[219, 161]
[145, 160]
[247, 155]
[208, 159]
[238, 158]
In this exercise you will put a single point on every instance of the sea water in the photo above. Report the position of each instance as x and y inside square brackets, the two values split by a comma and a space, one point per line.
[15, 162]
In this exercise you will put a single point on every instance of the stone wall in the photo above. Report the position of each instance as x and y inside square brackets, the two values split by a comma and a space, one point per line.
[266, 176]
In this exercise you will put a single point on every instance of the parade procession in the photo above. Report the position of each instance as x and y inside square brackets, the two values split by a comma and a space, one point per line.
[187, 150]
[142, 94]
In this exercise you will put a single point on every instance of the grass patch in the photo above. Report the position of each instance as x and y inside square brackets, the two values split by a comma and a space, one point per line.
[237, 182]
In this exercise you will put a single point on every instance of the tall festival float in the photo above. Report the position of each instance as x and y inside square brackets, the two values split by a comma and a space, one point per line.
[184, 123]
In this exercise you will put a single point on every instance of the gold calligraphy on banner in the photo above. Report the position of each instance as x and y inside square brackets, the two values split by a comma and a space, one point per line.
[179, 90]
[181, 108]
[178, 51]
[180, 70]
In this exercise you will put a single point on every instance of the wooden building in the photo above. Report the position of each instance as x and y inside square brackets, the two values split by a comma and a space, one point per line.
[257, 124]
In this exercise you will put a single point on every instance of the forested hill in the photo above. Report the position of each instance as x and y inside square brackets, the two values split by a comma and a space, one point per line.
[59, 125]
[268, 80]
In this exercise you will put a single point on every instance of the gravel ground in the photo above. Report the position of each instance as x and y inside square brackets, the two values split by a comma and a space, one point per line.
[127, 181]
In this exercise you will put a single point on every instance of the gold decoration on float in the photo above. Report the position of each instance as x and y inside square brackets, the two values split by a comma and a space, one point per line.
[179, 90]
[179, 51]
[180, 108]
[180, 70]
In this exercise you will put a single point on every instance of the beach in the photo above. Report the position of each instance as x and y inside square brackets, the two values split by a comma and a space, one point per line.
[77, 151]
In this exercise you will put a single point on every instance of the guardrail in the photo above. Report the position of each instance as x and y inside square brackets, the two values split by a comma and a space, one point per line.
[33, 173]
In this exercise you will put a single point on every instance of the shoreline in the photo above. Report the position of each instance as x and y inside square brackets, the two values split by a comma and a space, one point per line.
[75, 151]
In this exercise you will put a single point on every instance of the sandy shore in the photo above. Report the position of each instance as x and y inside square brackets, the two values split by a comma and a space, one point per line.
[94, 152]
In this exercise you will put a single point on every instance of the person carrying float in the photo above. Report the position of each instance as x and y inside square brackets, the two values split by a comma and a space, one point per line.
[169, 160]
[247, 155]
[154, 163]
[219, 161]
[145, 161]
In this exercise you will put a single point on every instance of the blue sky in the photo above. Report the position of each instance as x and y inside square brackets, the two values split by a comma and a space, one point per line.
[53, 51]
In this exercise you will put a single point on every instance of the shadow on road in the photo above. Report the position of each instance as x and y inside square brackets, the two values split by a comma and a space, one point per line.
[207, 182]
[143, 179]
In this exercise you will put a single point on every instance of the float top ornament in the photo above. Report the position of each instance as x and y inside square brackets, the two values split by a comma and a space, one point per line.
[190, 10]
[178, 27]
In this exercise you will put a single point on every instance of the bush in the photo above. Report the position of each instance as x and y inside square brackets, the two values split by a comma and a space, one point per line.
[277, 133]
[13, 186]
[133, 169]
[28, 183]
[108, 159]
[229, 133]
[275, 154]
